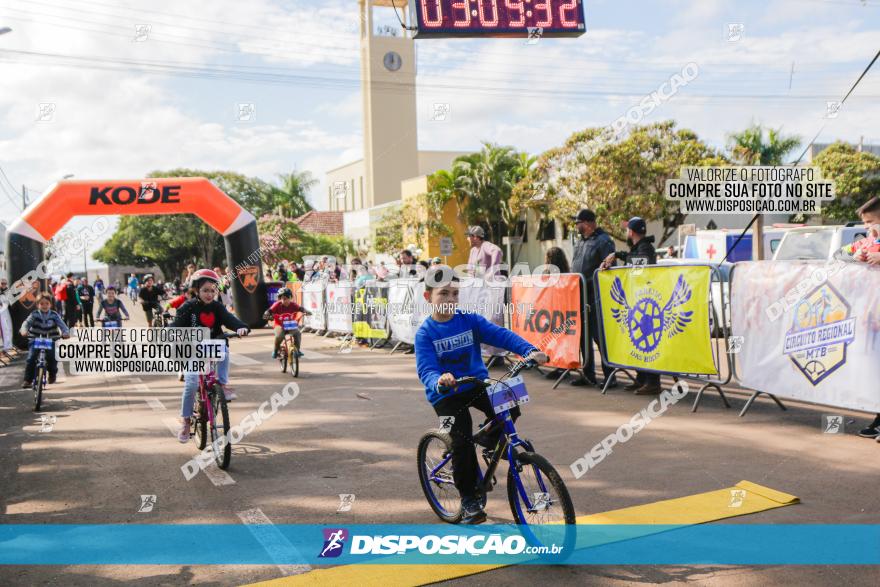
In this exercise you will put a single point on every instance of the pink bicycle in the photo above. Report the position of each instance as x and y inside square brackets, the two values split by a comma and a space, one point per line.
[211, 414]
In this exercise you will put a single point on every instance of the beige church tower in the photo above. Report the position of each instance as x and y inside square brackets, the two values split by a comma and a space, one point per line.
[388, 74]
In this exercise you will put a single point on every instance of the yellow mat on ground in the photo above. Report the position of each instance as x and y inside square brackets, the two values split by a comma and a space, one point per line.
[743, 498]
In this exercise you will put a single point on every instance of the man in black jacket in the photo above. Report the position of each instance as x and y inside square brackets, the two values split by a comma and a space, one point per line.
[641, 252]
[593, 247]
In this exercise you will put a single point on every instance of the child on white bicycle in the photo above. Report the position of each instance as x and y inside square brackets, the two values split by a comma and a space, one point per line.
[205, 312]
[448, 347]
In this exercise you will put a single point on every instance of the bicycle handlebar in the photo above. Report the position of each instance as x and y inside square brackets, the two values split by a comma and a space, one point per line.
[513, 372]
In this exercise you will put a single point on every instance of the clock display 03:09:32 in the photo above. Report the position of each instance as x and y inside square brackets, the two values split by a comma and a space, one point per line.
[500, 14]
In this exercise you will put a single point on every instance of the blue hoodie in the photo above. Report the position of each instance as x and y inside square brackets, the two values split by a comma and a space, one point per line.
[454, 347]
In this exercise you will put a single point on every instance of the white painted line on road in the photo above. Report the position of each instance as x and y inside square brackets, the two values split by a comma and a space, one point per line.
[155, 403]
[173, 425]
[275, 543]
[315, 355]
[242, 360]
[217, 475]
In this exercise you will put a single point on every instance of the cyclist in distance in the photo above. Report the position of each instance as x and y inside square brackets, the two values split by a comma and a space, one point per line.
[150, 296]
[112, 307]
[205, 312]
[285, 309]
[447, 347]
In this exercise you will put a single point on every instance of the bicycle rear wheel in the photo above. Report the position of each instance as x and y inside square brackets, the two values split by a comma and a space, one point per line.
[435, 474]
[38, 388]
[219, 428]
[539, 499]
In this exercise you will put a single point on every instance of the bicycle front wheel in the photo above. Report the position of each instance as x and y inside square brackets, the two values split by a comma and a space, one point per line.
[539, 499]
[219, 429]
[38, 389]
[283, 355]
[294, 362]
[435, 474]
[201, 425]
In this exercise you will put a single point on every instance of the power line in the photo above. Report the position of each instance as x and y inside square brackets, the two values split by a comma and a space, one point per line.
[555, 89]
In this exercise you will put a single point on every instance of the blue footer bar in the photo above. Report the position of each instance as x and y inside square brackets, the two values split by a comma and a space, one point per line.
[209, 544]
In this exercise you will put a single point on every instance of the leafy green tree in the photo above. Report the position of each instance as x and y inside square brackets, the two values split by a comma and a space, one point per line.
[169, 241]
[291, 199]
[759, 146]
[617, 179]
[856, 176]
[283, 240]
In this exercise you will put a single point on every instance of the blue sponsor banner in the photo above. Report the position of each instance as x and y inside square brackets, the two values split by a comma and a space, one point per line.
[206, 544]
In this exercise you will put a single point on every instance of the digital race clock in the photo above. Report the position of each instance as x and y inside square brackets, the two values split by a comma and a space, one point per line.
[498, 18]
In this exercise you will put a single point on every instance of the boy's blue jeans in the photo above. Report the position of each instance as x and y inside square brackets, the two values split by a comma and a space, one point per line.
[191, 385]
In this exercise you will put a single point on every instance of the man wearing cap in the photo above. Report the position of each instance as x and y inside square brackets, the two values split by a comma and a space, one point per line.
[590, 251]
[483, 254]
[641, 252]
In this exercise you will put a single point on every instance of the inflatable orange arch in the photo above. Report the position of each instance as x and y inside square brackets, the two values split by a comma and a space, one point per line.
[166, 195]
[26, 237]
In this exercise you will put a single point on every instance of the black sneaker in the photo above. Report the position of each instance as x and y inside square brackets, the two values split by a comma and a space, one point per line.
[26, 384]
[554, 374]
[632, 386]
[873, 429]
[472, 511]
[52, 378]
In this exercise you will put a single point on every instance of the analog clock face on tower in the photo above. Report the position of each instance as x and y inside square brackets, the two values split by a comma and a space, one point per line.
[392, 61]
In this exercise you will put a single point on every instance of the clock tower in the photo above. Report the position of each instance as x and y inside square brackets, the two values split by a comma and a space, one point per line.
[388, 74]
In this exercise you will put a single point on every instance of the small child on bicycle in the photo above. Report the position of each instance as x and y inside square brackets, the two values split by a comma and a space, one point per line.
[285, 309]
[112, 307]
[447, 347]
[43, 322]
[205, 312]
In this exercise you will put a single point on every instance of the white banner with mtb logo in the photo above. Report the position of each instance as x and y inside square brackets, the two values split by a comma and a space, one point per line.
[313, 301]
[810, 331]
[400, 309]
[339, 310]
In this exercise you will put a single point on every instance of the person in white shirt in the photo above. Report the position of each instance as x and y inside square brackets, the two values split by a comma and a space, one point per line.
[485, 257]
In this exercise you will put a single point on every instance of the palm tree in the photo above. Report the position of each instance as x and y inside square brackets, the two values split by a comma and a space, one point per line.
[750, 147]
[291, 198]
[484, 182]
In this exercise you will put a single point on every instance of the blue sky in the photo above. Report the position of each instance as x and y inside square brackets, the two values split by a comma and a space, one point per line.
[297, 61]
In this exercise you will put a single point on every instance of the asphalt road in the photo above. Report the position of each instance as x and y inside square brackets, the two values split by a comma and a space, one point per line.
[353, 430]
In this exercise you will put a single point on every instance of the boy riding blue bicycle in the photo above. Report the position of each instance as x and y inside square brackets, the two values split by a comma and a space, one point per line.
[447, 347]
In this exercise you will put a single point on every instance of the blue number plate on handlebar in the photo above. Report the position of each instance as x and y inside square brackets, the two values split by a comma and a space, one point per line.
[111, 324]
[510, 393]
[291, 325]
[43, 343]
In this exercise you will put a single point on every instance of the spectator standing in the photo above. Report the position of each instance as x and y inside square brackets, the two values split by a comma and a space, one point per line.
[641, 252]
[70, 305]
[85, 295]
[590, 251]
[485, 257]
[133, 287]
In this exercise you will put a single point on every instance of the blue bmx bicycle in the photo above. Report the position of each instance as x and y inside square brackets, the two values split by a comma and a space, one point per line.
[43, 345]
[535, 490]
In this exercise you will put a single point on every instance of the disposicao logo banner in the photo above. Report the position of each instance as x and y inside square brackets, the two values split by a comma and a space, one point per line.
[657, 318]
